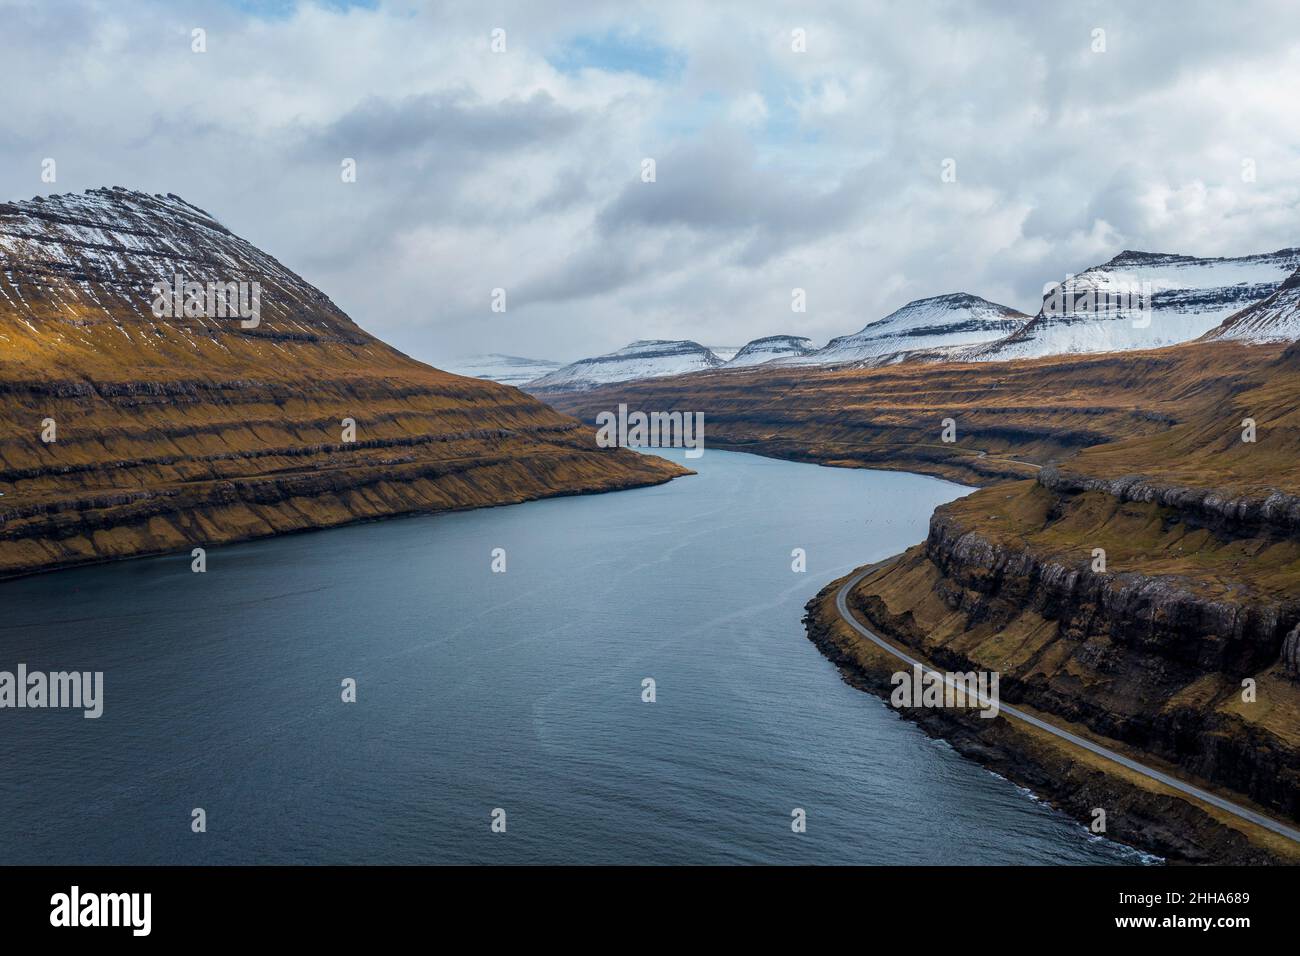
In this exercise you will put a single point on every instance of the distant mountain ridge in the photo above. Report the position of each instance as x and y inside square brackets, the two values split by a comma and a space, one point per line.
[1135, 300]
[924, 325]
[646, 358]
[770, 348]
[935, 323]
[1163, 300]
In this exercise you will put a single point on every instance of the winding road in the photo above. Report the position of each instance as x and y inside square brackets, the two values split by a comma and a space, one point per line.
[841, 604]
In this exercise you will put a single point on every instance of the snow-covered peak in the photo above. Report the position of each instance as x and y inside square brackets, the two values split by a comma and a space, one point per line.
[649, 358]
[93, 257]
[771, 347]
[1274, 319]
[937, 322]
[507, 369]
[1142, 300]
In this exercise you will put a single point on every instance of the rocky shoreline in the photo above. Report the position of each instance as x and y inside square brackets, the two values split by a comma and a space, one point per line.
[1141, 813]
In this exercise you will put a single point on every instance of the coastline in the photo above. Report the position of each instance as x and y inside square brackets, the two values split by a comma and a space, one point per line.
[1141, 812]
[282, 518]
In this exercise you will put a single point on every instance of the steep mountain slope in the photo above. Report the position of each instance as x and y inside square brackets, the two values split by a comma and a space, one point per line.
[768, 348]
[640, 360]
[1183, 645]
[1275, 319]
[506, 369]
[892, 416]
[937, 323]
[174, 432]
[1141, 300]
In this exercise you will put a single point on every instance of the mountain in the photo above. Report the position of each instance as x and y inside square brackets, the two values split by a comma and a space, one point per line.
[937, 323]
[126, 431]
[1275, 319]
[1147, 649]
[506, 369]
[644, 359]
[1187, 297]
[772, 347]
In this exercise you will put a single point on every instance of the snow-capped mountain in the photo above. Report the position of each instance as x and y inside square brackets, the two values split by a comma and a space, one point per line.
[1136, 300]
[725, 352]
[506, 369]
[644, 359]
[771, 347]
[108, 246]
[937, 323]
[215, 423]
[1275, 319]
[1141, 300]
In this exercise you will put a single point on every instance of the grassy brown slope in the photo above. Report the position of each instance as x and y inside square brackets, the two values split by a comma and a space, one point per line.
[1037, 411]
[1206, 449]
[1200, 592]
[173, 433]
[1152, 652]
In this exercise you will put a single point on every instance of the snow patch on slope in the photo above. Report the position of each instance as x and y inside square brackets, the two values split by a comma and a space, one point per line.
[769, 348]
[1275, 319]
[101, 252]
[644, 359]
[1186, 297]
[939, 322]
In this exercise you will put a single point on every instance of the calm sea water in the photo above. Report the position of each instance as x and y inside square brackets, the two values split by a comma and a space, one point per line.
[520, 691]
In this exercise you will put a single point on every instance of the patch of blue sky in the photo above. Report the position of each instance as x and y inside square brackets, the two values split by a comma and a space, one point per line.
[784, 125]
[777, 126]
[618, 51]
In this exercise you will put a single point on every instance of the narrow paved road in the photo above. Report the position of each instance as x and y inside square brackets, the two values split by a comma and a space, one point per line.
[841, 603]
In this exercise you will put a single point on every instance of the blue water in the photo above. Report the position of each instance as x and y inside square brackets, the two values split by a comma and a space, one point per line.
[518, 690]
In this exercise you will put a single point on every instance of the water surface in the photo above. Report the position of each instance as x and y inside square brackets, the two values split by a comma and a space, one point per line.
[518, 690]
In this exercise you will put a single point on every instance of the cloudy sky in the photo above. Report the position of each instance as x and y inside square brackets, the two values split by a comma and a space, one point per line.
[775, 168]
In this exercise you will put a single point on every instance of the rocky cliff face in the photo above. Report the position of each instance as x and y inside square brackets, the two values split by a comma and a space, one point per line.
[1180, 643]
[1227, 512]
[1139, 811]
[124, 431]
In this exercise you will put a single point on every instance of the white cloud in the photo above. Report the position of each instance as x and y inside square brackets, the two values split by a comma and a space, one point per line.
[776, 169]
